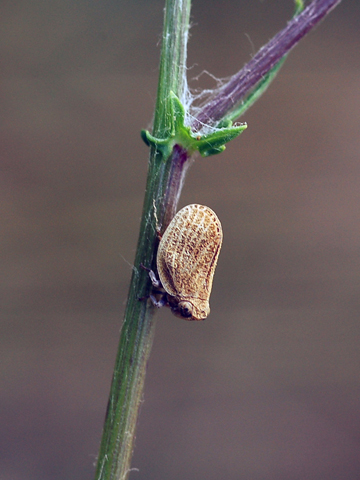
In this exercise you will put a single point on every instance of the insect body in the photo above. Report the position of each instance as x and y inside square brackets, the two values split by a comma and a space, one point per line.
[186, 260]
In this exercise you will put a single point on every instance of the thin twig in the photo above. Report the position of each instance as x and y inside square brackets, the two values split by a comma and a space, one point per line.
[239, 86]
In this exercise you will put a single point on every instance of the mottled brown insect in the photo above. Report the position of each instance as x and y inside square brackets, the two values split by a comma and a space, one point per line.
[186, 260]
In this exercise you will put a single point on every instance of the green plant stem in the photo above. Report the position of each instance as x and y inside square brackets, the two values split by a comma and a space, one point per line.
[172, 75]
[164, 182]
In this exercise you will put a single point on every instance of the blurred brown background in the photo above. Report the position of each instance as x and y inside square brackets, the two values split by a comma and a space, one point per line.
[268, 388]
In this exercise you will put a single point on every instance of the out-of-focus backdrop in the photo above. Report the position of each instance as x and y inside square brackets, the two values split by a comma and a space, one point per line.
[268, 387]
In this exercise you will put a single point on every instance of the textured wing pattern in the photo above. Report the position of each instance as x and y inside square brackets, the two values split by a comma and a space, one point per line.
[188, 253]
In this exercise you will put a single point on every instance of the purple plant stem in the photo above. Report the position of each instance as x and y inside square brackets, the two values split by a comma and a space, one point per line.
[179, 165]
[240, 85]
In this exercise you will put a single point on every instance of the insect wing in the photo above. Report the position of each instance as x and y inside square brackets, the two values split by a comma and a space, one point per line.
[188, 253]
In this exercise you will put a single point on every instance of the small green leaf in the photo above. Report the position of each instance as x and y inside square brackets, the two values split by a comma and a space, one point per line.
[180, 134]
[162, 145]
[215, 142]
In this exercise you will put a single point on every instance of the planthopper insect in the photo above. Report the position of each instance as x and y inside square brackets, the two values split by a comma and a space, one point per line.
[186, 261]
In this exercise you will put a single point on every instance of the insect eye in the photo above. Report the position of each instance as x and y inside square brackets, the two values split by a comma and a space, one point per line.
[185, 309]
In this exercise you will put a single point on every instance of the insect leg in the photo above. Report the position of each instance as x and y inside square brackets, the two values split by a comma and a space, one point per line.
[156, 283]
[158, 303]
